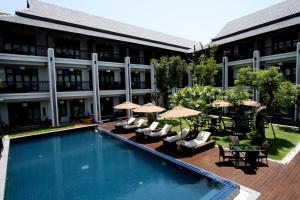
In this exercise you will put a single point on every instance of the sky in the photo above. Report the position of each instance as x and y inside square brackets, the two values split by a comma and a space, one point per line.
[198, 20]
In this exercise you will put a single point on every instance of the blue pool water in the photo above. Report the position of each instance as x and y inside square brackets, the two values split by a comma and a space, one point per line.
[86, 165]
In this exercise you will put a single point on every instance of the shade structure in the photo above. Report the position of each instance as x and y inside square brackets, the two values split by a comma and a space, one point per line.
[126, 105]
[250, 102]
[149, 108]
[179, 112]
[221, 104]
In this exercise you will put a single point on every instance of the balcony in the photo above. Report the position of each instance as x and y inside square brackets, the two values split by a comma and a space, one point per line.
[23, 86]
[141, 85]
[112, 86]
[71, 53]
[23, 49]
[137, 60]
[74, 86]
[278, 48]
[109, 57]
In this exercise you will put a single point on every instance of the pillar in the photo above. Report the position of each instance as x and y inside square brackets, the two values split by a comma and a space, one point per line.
[297, 76]
[52, 88]
[128, 82]
[225, 73]
[256, 64]
[190, 79]
[152, 77]
[96, 92]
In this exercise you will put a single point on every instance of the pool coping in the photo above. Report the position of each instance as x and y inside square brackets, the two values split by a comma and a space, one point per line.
[55, 131]
[230, 190]
[3, 165]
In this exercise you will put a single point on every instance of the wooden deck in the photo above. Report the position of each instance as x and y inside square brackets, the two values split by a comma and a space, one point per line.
[277, 181]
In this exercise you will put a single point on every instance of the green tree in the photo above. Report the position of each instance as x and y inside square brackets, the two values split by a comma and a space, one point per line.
[267, 82]
[235, 96]
[169, 73]
[206, 71]
[197, 98]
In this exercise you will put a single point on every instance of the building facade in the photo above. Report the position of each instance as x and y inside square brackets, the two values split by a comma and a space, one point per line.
[58, 65]
[269, 37]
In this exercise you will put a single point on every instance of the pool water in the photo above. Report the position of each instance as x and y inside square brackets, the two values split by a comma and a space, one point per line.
[87, 165]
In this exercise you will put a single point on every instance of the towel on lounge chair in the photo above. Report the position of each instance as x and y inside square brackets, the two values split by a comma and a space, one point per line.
[129, 122]
[164, 131]
[134, 126]
[152, 127]
[179, 136]
[200, 139]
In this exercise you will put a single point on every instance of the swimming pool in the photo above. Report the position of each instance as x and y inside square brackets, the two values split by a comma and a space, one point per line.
[89, 165]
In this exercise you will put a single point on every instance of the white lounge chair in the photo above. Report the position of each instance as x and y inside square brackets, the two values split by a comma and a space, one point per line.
[136, 125]
[163, 132]
[179, 136]
[152, 127]
[200, 139]
[129, 122]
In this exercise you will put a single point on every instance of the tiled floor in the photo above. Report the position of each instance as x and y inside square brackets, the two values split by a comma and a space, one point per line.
[277, 181]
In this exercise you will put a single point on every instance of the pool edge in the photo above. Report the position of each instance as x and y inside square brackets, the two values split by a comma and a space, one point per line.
[3, 165]
[230, 190]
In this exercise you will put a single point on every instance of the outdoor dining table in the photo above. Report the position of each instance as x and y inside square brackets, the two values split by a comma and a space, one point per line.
[246, 151]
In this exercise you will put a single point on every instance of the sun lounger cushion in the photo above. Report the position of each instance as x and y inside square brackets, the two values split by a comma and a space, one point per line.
[129, 122]
[148, 129]
[137, 125]
[162, 132]
[200, 139]
[179, 136]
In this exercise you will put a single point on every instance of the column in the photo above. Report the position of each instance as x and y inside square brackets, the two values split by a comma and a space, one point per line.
[297, 76]
[256, 64]
[128, 82]
[152, 77]
[225, 73]
[52, 88]
[96, 92]
[190, 79]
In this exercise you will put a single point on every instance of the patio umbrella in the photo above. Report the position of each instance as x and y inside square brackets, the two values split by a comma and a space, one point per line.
[126, 105]
[148, 108]
[250, 102]
[221, 104]
[179, 112]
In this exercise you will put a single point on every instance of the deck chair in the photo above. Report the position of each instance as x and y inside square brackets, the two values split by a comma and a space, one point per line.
[159, 134]
[143, 131]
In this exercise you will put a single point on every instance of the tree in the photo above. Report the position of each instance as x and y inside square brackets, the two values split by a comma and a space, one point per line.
[267, 82]
[235, 96]
[206, 67]
[169, 72]
[196, 98]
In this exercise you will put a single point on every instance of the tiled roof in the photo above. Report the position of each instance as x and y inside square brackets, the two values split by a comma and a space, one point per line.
[70, 18]
[270, 18]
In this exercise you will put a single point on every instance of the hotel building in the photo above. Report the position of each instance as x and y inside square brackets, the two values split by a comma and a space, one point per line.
[58, 65]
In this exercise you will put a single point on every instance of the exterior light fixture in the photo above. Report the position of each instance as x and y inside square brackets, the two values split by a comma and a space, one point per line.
[24, 104]
[61, 102]
[81, 100]
[22, 68]
[108, 70]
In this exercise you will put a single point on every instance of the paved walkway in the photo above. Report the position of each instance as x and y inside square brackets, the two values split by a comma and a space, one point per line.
[277, 181]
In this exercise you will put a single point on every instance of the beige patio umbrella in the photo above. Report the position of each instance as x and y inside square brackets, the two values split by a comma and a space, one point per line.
[126, 105]
[179, 112]
[149, 108]
[250, 102]
[221, 104]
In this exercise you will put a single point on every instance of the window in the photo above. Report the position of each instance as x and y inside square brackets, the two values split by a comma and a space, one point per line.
[63, 108]
[69, 80]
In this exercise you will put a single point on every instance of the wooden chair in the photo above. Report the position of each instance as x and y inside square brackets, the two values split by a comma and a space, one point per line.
[225, 154]
[263, 152]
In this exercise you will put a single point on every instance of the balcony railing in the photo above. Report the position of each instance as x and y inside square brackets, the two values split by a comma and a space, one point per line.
[109, 57]
[24, 86]
[74, 86]
[23, 49]
[137, 60]
[112, 86]
[71, 53]
[140, 85]
[278, 48]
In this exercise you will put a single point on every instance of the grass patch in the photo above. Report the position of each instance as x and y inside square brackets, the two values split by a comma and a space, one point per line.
[287, 138]
[37, 130]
